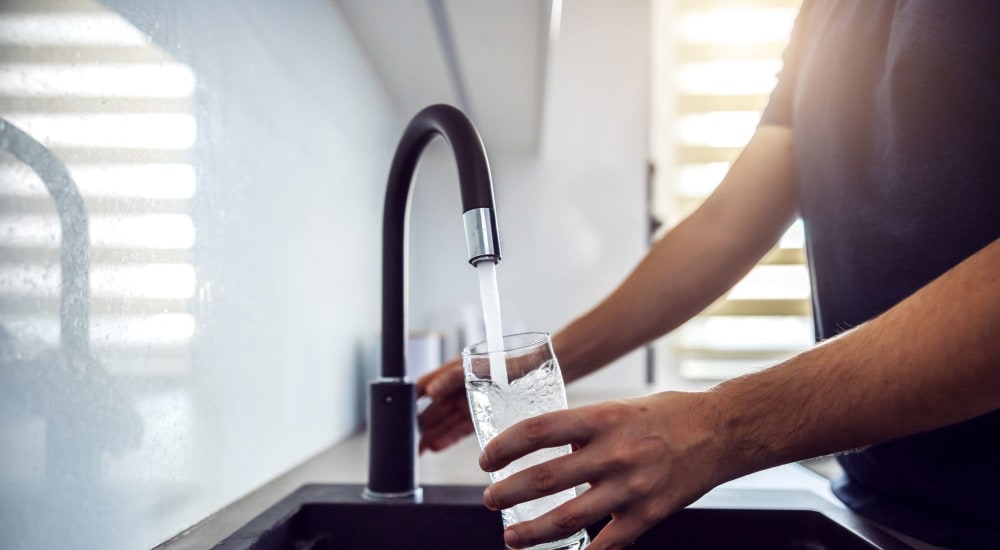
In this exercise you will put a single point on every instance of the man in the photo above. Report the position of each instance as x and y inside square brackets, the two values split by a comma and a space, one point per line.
[882, 135]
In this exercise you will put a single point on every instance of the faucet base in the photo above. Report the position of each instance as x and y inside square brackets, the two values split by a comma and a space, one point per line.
[392, 428]
[415, 496]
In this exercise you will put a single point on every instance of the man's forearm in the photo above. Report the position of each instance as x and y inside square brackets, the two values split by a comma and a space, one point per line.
[931, 361]
[695, 262]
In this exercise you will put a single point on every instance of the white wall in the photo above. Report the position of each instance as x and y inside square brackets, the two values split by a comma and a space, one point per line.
[255, 365]
[293, 140]
[572, 218]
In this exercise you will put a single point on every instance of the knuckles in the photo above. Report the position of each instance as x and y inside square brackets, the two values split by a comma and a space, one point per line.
[569, 521]
[610, 415]
[616, 410]
[543, 479]
[620, 458]
[636, 488]
[536, 429]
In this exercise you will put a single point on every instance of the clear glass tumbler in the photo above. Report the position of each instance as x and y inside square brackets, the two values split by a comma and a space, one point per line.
[534, 386]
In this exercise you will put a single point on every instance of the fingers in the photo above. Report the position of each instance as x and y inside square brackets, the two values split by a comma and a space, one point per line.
[447, 439]
[446, 419]
[569, 518]
[621, 531]
[441, 409]
[444, 380]
[446, 430]
[547, 478]
[553, 429]
[642, 463]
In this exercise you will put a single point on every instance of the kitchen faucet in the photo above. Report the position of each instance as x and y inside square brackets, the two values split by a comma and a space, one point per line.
[392, 421]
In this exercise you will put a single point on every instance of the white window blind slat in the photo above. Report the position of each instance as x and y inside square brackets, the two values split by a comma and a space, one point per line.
[723, 56]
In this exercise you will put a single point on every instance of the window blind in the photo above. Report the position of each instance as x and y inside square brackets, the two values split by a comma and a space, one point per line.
[715, 64]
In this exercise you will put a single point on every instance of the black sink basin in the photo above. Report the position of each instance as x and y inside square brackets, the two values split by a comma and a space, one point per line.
[320, 517]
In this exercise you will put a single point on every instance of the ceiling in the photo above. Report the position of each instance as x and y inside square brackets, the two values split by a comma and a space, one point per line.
[487, 57]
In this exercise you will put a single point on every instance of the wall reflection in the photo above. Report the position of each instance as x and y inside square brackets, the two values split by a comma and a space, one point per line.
[189, 332]
[231, 157]
[73, 424]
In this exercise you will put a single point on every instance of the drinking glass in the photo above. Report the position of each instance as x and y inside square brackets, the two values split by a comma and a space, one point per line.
[534, 386]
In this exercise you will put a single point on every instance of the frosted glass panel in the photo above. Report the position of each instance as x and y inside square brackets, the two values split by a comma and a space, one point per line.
[180, 319]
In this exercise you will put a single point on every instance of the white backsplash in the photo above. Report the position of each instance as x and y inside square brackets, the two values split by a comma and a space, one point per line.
[232, 158]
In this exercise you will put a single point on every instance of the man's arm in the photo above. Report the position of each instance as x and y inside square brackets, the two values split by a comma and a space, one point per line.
[685, 271]
[931, 361]
[695, 262]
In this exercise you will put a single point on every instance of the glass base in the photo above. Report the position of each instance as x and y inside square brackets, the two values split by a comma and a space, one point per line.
[577, 541]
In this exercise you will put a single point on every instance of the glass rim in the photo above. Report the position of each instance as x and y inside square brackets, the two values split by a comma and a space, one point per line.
[541, 337]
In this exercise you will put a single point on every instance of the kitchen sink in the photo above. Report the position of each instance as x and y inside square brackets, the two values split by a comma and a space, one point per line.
[320, 517]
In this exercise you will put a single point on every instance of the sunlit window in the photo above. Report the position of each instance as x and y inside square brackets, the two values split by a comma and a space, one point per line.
[716, 64]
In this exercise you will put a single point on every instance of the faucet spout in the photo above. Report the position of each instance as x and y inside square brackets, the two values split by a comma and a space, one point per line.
[392, 413]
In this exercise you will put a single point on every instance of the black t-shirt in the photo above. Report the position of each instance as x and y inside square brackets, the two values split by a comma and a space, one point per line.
[895, 111]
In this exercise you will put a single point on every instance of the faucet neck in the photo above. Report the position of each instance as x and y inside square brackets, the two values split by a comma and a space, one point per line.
[474, 177]
[476, 185]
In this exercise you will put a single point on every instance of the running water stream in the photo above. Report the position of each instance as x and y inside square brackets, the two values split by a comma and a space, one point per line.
[490, 297]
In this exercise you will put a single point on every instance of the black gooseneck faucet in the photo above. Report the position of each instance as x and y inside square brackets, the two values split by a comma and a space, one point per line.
[392, 421]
